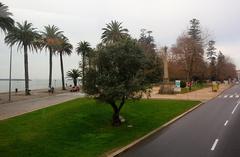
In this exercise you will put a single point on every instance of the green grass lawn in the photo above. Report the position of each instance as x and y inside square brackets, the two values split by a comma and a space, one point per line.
[82, 128]
[194, 88]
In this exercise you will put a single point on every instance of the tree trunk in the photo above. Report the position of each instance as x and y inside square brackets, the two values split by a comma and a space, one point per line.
[83, 70]
[75, 82]
[115, 117]
[191, 72]
[50, 68]
[89, 62]
[26, 71]
[62, 71]
[116, 121]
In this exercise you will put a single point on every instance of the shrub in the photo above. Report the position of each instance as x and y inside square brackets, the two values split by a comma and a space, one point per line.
[183, 84]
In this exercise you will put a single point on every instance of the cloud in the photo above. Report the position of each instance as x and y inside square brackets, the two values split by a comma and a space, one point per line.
[83, 20]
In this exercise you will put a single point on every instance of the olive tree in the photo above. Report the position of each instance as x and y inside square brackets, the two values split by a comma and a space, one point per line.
[118, 75]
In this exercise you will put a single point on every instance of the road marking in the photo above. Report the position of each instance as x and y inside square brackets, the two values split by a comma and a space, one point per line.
[235, 108]
[231, 96]
[237, 96]
[225, 96]
[225, 124]
[214, 145]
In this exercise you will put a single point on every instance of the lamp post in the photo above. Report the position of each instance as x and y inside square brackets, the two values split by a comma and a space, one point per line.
[10, 75]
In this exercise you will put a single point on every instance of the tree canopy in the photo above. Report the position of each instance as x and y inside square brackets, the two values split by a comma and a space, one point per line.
[118, 75]
[114, 32]
[74, 74]
[6, 21]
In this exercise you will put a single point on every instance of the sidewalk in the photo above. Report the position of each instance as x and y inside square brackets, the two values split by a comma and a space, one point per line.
[19, 107]
[16, 108]
[199, 95]
[38, 93]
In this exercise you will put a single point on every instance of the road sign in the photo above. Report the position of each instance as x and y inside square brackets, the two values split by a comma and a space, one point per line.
[178, 83]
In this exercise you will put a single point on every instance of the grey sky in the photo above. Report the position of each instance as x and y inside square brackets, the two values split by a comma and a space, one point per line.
[83, 20]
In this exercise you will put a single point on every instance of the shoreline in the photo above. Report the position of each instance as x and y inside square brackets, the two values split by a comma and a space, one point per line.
[34, 84]
[33, 90]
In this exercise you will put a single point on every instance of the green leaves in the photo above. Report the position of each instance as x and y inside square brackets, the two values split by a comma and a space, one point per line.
[74, 73]
[6, 22]
[51, 37]
[83, 48]
[64, 46]
[23, 35]
[119, 71]
[114, 32]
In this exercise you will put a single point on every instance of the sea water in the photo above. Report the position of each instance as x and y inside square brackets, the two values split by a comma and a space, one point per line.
[33, 84]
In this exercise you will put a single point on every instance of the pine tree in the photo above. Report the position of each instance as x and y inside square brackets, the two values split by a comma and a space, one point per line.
[195, 30]
[212, 56]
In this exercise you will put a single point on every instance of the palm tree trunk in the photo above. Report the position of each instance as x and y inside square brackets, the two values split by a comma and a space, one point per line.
[50, 68]
[62, 71]
[89, 63]
[83, 70]
[75, 82]
[26, 71]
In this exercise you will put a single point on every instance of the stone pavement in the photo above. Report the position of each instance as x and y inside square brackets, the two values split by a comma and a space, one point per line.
[12, 109]
[199, 95]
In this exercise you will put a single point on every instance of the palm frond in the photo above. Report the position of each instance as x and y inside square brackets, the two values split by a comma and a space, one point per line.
[113, 32]
[83, 48]
[23, 35]
[6, 22]
[51, 37]
[65, 47]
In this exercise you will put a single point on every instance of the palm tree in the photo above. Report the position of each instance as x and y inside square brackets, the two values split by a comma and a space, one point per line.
[84, 50]
[50, 40]
[6, 22]
[65, 48]
[24, 36]
[114, 32]
[74, 74]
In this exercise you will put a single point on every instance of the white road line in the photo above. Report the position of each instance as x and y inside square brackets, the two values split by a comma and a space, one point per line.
[214, 144]
[237, 96]
[225, 124]
[231, 96]
[235, 108]
[225, 96]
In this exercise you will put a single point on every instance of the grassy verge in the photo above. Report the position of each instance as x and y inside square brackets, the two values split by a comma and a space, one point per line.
[82, 128]
[194, 88]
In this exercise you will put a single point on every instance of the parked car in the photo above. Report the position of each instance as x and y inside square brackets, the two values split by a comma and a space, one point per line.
[75, 89]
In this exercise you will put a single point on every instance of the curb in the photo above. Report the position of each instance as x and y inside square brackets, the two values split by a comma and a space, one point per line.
[123, 149]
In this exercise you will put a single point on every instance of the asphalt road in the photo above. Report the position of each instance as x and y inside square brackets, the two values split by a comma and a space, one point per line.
[212, 130]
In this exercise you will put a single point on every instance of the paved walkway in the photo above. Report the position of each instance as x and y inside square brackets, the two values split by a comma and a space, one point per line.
[38, 93]
[199, 95]
[8, 110]
[19, 107]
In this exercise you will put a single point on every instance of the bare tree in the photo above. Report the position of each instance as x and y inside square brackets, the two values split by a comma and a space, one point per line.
[189, 53]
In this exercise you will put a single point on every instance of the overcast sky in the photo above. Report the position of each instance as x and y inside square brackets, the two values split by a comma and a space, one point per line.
[84, 19]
